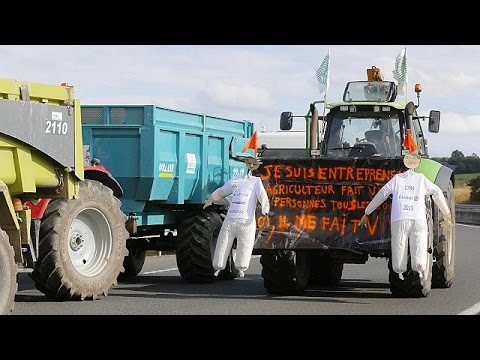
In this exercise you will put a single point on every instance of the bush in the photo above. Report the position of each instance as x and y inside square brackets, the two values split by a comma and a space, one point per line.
[475, 189]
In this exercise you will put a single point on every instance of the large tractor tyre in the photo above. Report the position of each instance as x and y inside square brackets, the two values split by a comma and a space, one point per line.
[285, 272]
[197, 235]
[133, 263]
[82, 245]
[413, 285]
[324, 271]
[444, 246]
[8, 275]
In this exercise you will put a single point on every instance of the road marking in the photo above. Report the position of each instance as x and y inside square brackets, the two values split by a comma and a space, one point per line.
[466, 225]
[173, 269]
[158, 271]
[472, 310]
[213, 295]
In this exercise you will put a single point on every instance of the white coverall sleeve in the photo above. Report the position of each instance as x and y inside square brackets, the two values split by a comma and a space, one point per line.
[219, 195]
[262, 197]
[380, 197]
[438, 197]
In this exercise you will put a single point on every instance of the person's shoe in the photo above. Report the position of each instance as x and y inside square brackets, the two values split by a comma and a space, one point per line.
[241, 274]
[400, 276]
[216, 273]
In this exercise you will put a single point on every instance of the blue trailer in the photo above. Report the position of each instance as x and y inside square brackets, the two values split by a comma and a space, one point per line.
[167, 162]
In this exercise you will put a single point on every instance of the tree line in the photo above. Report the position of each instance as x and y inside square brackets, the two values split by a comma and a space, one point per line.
[462, 164]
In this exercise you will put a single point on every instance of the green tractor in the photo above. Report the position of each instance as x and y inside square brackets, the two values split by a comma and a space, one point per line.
[319, 193]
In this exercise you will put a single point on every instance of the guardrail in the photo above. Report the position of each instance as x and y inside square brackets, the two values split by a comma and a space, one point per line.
[467, 214]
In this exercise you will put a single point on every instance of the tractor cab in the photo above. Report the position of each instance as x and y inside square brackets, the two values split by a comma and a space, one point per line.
[368, 122]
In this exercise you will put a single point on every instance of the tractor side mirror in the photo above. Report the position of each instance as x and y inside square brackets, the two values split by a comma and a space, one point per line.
[286, 120]
[434, 121]
[410, 108]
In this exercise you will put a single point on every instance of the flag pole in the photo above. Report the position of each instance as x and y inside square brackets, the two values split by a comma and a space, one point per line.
[322, 76]
[325, 95]
[327, 83]
[406, 76]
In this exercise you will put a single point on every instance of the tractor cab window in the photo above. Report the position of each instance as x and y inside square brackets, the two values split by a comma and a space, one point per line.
[372, 91]
[364, 135]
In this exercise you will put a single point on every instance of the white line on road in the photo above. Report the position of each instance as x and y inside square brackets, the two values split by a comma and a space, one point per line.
[158, 271]
[472, 310]
[466, 225]
[173, 269]
[212, 295]
[475, 309]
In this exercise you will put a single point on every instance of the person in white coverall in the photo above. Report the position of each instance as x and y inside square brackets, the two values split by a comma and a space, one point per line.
[240, 221]
[408, 215]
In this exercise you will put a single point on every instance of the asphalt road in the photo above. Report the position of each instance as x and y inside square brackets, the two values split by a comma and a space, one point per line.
[364, 290]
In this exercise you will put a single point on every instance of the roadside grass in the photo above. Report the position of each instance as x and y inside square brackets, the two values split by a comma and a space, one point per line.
[462, 191]
[462, 195]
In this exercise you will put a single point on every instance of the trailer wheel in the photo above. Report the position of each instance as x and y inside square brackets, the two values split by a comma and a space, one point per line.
[197, 235]
[412, 285]
[133, 263]
[444, 246]
[285, 272]
[324, 271]
[82, 245]
[8, 275]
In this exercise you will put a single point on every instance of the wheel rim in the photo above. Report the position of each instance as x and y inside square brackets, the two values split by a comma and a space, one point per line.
[90, 242]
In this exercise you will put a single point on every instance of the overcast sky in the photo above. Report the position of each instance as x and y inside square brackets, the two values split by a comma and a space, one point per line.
[258, 82]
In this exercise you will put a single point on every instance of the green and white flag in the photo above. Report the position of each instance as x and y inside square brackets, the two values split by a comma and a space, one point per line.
[401, 71]
[322, 74]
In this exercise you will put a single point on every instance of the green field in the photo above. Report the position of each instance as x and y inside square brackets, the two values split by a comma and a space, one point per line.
[462, 179]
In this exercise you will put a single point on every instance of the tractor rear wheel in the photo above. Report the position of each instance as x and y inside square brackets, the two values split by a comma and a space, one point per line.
[8, 275]
[82, 245]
